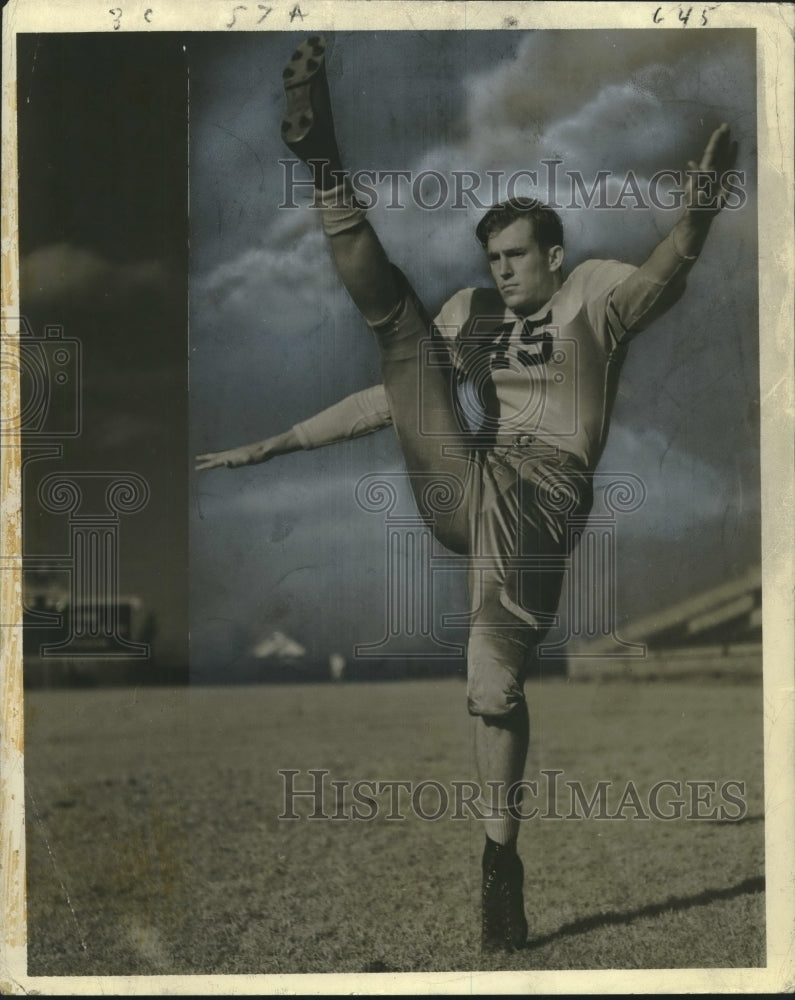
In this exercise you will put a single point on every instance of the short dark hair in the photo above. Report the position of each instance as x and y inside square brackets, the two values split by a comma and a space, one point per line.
[547, 226]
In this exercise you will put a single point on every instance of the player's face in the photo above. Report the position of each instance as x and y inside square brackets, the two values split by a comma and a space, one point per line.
[525, 275]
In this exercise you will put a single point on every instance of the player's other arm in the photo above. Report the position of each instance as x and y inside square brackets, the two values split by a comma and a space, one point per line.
[250, 454]
[361, 413]
[358, 414]
[659, 282]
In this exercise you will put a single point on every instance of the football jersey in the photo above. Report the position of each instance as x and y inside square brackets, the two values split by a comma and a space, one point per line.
[552, 375]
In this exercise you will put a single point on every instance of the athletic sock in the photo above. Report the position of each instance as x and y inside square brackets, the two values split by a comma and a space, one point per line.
[326, 174]
[501, 814]
[339, 208]
[501, 827]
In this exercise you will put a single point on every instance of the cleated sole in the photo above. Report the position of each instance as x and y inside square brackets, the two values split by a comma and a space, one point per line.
[305, 70]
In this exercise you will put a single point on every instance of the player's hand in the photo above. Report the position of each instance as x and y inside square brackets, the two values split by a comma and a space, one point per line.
[231, 459]
[705, 188]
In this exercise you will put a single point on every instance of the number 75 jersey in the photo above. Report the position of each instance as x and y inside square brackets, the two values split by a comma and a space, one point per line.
[552, 375]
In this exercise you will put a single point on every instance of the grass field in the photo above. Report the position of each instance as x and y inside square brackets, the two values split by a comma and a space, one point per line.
[154, 847]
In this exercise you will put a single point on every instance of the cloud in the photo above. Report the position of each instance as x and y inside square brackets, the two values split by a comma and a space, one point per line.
[62, 270]
[648, 101]
[555, 75]
[642, 107]
[289, 265]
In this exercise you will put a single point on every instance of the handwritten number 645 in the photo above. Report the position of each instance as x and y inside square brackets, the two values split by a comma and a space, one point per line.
[684, 15]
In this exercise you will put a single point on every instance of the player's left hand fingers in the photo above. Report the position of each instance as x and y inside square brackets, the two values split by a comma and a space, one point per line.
[717, 138]
[718, 143]
[725, 156]
[719, 157]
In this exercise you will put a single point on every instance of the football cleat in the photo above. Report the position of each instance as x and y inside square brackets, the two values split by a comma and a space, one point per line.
[308, 126]
[503, 922]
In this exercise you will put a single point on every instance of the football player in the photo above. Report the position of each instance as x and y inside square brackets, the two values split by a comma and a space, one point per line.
[544, 352]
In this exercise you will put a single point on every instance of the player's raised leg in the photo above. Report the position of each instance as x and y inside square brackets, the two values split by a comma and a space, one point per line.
[421, 401]
[308, 130]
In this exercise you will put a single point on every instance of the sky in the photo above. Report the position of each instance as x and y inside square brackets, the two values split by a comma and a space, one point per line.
[273, 338]
[151, 230]
[103, 209]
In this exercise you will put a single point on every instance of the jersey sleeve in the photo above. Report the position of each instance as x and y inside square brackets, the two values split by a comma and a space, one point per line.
[356, 415]
[594, 284]
[628, 299]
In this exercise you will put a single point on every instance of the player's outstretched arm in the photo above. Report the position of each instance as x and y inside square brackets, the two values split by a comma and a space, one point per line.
[659, 282]
[358, 414]
[250, 454]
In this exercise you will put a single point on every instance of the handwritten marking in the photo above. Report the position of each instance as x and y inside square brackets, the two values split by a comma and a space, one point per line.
[234, 15]
[684, 15]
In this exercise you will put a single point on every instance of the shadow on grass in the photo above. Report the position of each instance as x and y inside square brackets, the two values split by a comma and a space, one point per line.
[585, 924]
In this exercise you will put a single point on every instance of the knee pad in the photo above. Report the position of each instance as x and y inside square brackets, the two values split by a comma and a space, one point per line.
[495, 674]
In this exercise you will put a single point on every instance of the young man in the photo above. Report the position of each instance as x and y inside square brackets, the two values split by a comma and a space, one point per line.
[543, 354]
